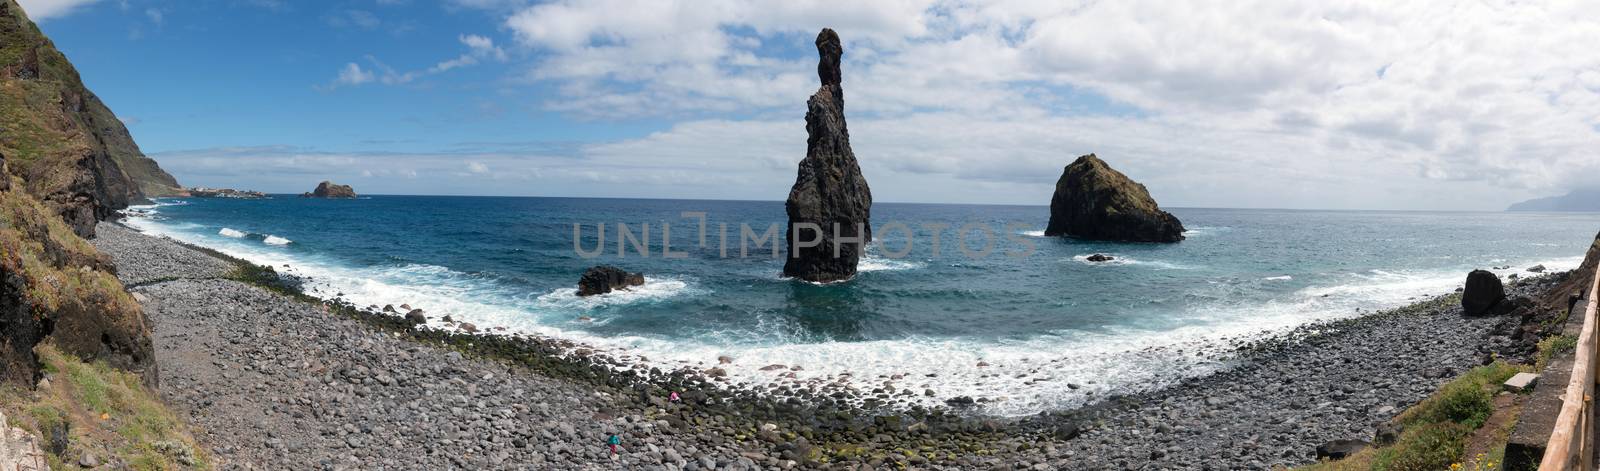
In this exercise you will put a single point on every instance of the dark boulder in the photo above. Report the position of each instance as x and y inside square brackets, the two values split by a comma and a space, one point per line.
[830, 201]
[1536, 269]
[1483, 290]
[1099, 257]
[1340, 449]
[416, 317]
[605, 278]
[328, 189]
[1094, 201]
[1388, 433]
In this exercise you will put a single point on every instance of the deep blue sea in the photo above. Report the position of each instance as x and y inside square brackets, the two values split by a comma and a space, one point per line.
[1033, 312]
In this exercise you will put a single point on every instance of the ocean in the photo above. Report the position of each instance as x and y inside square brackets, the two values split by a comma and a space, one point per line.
[1031, 325]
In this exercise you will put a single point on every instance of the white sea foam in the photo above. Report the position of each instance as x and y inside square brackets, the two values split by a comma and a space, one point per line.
[226, 232]
[1204, 230]
[1279, 278]
[1038, 233]
[275, 240]
[1021, 377]
[872, 263]
[1123, 260]
[654, 289]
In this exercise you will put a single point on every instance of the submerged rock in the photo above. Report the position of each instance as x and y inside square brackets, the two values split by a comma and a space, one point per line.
[328, 189]
[1483, 290]
[603, 279]
[829, 191]
[1101, 258]
[1094, 201]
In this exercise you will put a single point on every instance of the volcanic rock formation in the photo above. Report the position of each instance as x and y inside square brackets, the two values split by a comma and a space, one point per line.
[328, 189]
[1094, 201]
[1483, 291]
[830, 204]
[605, 278]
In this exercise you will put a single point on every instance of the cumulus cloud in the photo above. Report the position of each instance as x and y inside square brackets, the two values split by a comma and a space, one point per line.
[479, 48]
[41, 10]
[1350, 104]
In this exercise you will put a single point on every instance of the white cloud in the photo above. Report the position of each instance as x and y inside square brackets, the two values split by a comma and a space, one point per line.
[155, 16]
[41, 10]
[353, 74]
[479, 48]
[1367, 103]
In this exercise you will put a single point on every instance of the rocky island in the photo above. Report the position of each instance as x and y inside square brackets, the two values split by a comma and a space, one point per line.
[1095, 201]
[829, 193]
[605, 279]
[328, 189]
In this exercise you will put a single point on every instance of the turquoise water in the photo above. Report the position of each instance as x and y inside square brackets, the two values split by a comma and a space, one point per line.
[1033, 312]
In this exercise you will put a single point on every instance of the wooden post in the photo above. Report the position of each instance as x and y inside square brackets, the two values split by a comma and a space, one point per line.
[1572, 442]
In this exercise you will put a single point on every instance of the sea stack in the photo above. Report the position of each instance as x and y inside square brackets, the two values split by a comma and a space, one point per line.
[1094, 201]
[829, 192]
[328, 189]
[603, 279]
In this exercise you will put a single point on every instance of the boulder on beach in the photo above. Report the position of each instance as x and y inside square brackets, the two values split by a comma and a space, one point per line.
[1340, 449]
[830, 203]
[603, 279]
[1094, 201]
[1482, 291]
[1536, 269]
[328, 189]
[415, 317]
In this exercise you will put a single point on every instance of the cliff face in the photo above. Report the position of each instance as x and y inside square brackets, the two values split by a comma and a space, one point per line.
[70, 149]
[62, 168]
[55, 286]
[1094, 201]
[829, 190]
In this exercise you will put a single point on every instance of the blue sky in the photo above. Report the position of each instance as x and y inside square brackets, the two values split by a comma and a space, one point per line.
[1425, 105]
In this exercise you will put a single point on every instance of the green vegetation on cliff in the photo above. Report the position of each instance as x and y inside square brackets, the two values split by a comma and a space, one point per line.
[58, 135]
[91, 409]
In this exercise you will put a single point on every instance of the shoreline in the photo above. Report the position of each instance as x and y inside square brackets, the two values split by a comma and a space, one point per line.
[1108, 433]
[1007, 376]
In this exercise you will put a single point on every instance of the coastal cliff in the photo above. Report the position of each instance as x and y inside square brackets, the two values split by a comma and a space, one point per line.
[1094, 201]
[72, 152]
[1579, 200]
[829, 191]
[78, 366]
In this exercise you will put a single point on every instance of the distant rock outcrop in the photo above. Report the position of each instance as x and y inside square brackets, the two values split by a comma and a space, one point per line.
[1094, 201]
[1482, 292]
[203, 192]
[829, 192]
[1580, 200]
[328, 189]
[603, 279]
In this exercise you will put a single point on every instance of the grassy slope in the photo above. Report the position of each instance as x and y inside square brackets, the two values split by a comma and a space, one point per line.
[108, 412]
[95, 409]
